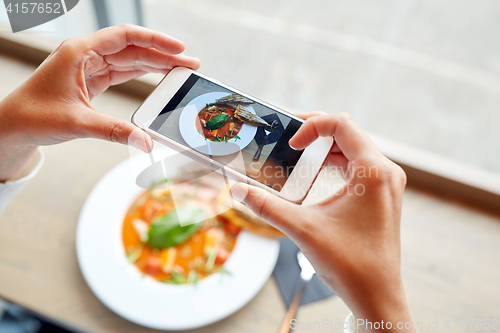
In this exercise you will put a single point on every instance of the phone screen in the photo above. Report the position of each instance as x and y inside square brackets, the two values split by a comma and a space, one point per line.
[221, 124]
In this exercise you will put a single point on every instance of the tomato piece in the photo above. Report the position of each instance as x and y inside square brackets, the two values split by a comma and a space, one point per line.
[231, 228]
[222, 256]
[151, 207]
[153, 266]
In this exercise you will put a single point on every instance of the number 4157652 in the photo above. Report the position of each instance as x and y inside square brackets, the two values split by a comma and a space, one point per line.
[473, 323]
[34, 7]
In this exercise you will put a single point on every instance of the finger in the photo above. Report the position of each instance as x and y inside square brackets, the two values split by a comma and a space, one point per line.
[99, 83]
[336, 148]
[350, 138]
[147, 69]
[271, 208]
[114, 39]
[104, 127]
[117, 77]
[307, 115]
[339, 162]
[133, 56]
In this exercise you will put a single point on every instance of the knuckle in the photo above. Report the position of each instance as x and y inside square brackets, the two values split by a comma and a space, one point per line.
[126, 26]
[115, 134]
[69, 46]
[318, 113]
[263, 206]
[145, 58]
[376, 173]
[400, 175]
[126, 30]
[388, 174]
[344, 117]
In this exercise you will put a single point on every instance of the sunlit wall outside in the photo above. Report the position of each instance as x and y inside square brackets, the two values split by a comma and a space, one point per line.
[424, 73]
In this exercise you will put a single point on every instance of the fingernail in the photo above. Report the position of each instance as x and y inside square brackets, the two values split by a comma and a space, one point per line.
[149, 143]
[198, 62]
[239, 192]
[292, 146]
[143, 142]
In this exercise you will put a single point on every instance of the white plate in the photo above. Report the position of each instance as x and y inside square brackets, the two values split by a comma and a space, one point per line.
[187, 127]
[123, 289]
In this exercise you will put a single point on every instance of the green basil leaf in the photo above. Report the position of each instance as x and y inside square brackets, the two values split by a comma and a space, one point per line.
[167, 232]
[217, 122]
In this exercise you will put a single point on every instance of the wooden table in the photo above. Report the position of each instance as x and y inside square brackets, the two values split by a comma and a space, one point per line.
[38, 264]
[450, 257]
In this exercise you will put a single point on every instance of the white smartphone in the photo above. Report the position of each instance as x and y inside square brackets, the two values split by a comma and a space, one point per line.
[231, 132]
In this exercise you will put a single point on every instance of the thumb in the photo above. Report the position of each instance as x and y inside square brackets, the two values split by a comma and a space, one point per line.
[104, 127]
[276, 211]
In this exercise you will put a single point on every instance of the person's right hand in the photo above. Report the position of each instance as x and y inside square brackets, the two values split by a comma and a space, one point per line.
[352, 240]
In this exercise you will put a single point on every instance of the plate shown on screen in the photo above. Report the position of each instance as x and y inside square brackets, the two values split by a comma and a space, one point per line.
[143, 300]
[187, 127]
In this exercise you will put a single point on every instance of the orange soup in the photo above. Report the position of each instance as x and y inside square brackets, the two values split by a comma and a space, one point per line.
[162, 249]
[224, 130]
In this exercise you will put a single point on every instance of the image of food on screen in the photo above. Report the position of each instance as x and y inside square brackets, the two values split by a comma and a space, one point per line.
[223, 119]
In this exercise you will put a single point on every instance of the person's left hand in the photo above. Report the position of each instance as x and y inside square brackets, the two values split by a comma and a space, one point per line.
[53, 105]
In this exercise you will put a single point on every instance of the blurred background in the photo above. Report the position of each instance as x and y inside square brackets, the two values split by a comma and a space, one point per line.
[425, 73]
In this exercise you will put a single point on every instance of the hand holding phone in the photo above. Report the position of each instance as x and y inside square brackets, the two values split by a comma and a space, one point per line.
[353, 237]
[232, 132]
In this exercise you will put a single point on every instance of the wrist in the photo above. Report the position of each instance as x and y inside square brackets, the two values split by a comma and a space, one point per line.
[16, 161]
[381, 308]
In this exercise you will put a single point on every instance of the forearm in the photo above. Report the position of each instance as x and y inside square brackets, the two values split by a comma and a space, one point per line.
[16, 158]
[16, 162]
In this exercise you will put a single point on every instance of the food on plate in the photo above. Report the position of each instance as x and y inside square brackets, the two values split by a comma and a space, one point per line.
[157, 244]
[234, 99]
[216, 122]
[248, 117]
[243, 217]
[222, 121]
[228, 209]
[249, 221]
